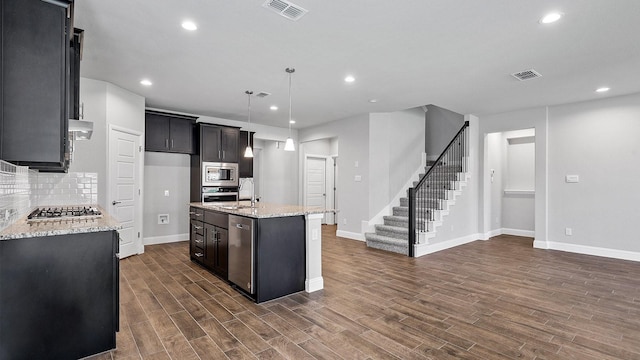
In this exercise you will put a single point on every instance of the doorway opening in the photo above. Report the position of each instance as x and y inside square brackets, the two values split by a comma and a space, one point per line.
[510, 183]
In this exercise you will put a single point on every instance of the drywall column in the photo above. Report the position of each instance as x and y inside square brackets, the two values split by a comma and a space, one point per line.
[313, 239]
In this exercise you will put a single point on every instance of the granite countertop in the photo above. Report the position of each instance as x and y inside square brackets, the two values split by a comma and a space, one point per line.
[21, 229]
[261, 210]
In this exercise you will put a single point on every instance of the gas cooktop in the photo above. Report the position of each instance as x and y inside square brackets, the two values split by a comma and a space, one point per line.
[64, 213]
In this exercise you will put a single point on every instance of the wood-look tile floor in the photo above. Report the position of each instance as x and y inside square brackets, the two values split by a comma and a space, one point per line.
[496, 299]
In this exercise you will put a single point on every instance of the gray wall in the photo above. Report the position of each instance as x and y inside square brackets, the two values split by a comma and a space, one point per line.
[164, 171]
[396, 143]
[352, 196]
[279, 175]
[598, 141]
[441, 125]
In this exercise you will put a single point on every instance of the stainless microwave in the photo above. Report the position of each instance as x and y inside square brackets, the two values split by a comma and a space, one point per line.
[219, 174]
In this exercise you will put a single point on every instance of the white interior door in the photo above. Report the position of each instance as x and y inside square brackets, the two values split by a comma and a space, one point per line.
[315, 183]
[125, 164]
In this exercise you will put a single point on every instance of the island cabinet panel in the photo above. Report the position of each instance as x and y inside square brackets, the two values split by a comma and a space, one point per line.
[279, 255]
[59, 296]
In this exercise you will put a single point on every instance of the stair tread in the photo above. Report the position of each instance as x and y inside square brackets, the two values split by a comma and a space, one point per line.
[391, 228]
[386, 239]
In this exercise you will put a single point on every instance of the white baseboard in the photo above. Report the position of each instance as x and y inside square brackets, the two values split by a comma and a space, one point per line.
[518, 232]
[314, 284]
[424, 249]
[506, 231]
[592, 250]
[154, 240]
[350, 235]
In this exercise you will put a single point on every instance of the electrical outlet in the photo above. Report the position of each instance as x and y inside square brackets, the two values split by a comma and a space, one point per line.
[166, 193]
[344, 221]
[568, 231]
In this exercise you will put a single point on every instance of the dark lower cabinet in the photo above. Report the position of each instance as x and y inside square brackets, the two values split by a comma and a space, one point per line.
[209, 240]
[59, 296]
[34, 83]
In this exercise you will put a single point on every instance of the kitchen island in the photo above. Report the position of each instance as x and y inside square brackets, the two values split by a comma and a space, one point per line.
[266, 251]
[59, 288]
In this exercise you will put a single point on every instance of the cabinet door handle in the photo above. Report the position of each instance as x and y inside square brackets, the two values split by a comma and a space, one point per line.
[199, 254]
[222, 154]
[191, 213]
[172, 143]
[166, 143]
[198, 241]
[197, 214]
[197, 227]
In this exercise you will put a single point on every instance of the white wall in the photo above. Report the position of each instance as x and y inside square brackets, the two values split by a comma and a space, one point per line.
[396, 144]
[105, 104]
[598, 141]
[279, 177]
[518, 175]
[352, 134]
[441, 126]
[166, 172]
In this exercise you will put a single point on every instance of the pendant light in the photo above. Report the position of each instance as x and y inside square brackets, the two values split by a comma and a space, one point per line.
[248, 152]
[288, 145]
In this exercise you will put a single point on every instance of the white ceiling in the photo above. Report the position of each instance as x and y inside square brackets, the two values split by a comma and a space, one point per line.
[457, 54]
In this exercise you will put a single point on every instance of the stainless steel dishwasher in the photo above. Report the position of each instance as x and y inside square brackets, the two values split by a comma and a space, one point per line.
[241, 244]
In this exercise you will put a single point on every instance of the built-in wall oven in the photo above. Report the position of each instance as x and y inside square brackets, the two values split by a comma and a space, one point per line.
[219, 193]
[220, 174]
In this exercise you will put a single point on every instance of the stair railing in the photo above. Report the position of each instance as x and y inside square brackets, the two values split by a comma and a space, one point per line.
[428, 196]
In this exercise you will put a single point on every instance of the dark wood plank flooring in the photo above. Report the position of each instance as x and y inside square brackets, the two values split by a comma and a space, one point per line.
[496, 299]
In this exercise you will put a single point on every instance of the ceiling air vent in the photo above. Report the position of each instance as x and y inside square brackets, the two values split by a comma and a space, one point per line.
[526, 75]
[285, 8]
[262, 94]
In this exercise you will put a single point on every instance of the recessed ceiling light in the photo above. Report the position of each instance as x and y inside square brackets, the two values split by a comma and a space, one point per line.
[373, 101]
[273, 107]
[189, 25]
[349, 79]
[551, 18]
[602, 89]
[292, 121]
[146, 82]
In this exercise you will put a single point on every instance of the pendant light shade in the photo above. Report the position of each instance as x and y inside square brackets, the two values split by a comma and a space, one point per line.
[288, 145]
[248, 152]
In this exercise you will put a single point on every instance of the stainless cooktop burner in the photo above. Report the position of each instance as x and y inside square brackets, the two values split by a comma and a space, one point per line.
[64, 213]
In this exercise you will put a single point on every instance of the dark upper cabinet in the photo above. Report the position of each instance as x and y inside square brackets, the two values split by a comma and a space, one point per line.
[218, 143]
[34, 84]
[166, 132]
[75, 54]
[245, 164]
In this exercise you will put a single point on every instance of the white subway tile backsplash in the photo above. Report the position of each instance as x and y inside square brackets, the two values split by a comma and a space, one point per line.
[22, 189]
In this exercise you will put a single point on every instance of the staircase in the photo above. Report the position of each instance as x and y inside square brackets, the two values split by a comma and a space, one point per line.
[427, 202]
[393, 234]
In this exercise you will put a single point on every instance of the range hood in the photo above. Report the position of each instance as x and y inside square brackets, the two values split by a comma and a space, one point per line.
[80, 129]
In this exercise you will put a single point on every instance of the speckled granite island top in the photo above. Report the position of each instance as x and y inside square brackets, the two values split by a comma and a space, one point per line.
[22, 229]
[261, 210]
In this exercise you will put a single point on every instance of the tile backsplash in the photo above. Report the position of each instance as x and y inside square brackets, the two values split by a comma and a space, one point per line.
[22, 189]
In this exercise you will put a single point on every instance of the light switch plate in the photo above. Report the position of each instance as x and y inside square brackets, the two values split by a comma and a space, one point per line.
[572, 178]
[357, 178]
[166, 193]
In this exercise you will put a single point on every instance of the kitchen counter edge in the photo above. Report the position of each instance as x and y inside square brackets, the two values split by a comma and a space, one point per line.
[21, 229]
[262, 210]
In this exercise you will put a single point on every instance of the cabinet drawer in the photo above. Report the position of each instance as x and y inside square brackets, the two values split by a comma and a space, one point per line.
[218, 219]
[196, 213]
[198, 241]
[197, 253]
[197, 227]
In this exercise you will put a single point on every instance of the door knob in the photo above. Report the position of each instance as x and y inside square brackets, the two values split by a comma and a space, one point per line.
[115, 202]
